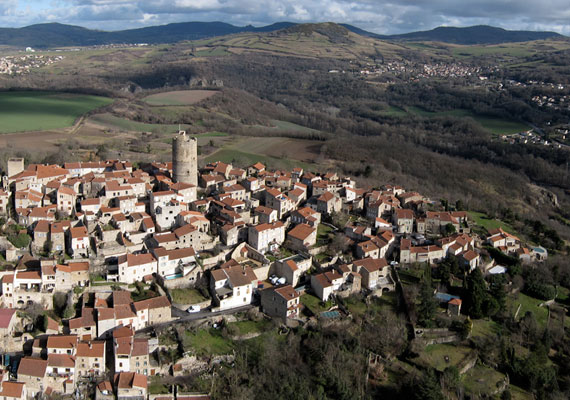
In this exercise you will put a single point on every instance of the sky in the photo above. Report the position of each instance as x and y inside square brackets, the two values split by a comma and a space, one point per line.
[380, 16]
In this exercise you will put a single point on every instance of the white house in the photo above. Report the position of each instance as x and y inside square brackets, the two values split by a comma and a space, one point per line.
[233, 286]
[133, 267]
[265, 237]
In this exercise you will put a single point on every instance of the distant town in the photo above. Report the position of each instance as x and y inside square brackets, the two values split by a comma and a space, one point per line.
[98, 257]
[24, 63]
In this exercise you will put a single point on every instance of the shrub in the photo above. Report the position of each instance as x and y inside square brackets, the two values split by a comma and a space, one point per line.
[21, 241]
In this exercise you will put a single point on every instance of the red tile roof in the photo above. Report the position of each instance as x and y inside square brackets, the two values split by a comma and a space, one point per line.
[32, 366]
[12, 389]
[6, 315]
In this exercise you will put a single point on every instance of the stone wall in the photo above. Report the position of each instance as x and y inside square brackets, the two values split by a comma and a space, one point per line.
[204, 304]
[211, 262]
[110, 236]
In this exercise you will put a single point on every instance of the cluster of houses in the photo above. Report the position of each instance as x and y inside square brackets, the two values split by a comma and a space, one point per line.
[413, 71]
[255, 235]
[21, 64]
[65, 355]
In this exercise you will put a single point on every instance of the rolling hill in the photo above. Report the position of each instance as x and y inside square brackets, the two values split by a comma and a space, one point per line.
[480, 34]
[60, 35]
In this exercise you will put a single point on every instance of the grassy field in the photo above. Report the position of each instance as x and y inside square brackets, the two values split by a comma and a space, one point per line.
[244, 158]
[247, 327]
[156, 386]
[212, 52]
[179, 97]
[435, 355]
[563, 296]
[484, 328]
[324, 234]
[240, 158]
[482, 380]
[489, 224]
[392, 111]
[357, 306]
[510, 50]
[528, 304]
[207, 342]
[186, 296]
[212, 134]
[290, 126]
[519, 394]
[497, 126]
[39, 111]
[314, 304]
[500, 126]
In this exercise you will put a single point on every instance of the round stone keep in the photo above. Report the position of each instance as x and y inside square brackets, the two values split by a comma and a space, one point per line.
[185, 159]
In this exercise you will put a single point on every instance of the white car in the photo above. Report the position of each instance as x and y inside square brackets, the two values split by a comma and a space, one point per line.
[193, 309]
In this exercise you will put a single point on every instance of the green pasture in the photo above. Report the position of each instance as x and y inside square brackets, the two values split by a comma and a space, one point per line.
[39, 111]
[495, 125]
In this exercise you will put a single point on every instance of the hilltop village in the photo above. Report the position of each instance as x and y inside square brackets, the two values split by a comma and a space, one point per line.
[99, 256]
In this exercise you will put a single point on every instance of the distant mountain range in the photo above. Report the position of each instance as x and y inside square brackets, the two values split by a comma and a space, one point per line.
[480, 34]
[60, 35]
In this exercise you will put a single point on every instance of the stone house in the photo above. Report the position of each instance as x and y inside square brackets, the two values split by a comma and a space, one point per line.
[265, 237]
[78, 242]
[411, 254]
[173, 262]
[134, 267]
[278, 201]
[325, 284]
[32, 372]
[8, 321]
[265, 215]
[13, 390]
[4, 201]
[57, 235]
[374, 272]
[281, 302]
[301, 237]
[66, 200]
[328, 203]
[404, 220]
[232, 286]
[130, 385]
[306, 215]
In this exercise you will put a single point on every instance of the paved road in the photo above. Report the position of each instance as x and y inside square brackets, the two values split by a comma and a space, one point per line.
[183, 316]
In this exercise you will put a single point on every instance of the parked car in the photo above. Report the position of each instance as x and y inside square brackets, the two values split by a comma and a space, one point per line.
[193, 309]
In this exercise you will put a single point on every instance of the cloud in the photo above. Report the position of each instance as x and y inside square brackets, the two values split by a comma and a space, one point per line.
[381, 16]
[7, 7]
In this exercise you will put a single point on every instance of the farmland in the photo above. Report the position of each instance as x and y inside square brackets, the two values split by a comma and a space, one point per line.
[38, 111]
[272, 151]
[497, 126]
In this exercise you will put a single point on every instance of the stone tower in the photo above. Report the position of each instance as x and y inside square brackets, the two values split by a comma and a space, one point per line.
[185, 159]
[15, 166]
